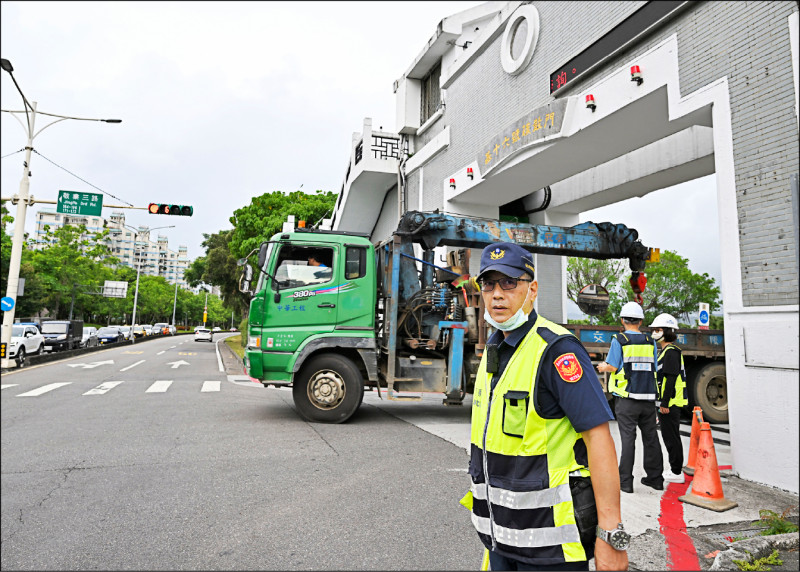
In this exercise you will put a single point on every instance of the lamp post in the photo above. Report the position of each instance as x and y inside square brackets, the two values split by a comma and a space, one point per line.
[139, 270]
[23, 198]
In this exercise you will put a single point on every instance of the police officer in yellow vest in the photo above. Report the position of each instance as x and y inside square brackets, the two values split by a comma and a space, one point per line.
[545, 487]
[631, 360]
[671, 393]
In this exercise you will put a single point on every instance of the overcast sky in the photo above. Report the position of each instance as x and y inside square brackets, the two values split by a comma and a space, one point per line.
[224, 101]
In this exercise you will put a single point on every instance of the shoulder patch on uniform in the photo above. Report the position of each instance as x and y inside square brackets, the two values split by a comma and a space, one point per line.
[568, 367]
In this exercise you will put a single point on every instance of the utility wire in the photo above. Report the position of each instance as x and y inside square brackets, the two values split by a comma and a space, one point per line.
[14, 153]
[84, 180]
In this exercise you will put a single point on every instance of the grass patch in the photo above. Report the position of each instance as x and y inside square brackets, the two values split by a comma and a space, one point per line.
[235, 343]
[776, 523]
[760, 563]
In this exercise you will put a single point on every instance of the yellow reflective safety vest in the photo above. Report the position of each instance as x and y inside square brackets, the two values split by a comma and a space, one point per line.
[520, 463]
[679, 398]
[636, 379]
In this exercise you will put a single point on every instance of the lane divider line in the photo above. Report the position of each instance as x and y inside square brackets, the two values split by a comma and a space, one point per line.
[210, 386]
[7, 385]
[133, 365]
[161, 352]
[159, 386]
[44, 389]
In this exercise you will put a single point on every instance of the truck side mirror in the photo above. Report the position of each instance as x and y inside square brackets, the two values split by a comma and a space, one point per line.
[593, 300]
[244, 280]
[262, 254]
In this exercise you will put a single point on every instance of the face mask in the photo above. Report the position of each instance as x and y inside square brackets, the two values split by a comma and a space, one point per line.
[513, 322]
[658, 335]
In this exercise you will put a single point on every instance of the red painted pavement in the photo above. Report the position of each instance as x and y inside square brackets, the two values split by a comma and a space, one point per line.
[681, 552]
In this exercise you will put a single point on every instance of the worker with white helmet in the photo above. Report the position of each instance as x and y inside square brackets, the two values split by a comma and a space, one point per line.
[671, 393]
[631, 360]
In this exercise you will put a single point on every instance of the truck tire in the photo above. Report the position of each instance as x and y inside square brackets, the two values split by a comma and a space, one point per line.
[711, 393]
[328, 388]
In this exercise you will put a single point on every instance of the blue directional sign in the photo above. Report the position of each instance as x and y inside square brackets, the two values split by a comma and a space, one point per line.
[703, 317]
[7, 303]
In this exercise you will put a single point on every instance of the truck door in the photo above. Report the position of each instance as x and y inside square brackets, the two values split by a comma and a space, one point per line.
[309, 298]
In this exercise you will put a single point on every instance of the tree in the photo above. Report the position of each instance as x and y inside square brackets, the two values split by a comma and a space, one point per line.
[671, 287]
[265, 215]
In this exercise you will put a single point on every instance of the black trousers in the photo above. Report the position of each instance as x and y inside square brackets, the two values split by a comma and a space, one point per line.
[670, 433]
[633, 413]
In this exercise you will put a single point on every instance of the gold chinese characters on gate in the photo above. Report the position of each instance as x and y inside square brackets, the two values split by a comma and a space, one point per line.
[543, 122]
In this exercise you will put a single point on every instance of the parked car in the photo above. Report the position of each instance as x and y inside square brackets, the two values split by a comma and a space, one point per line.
[109, 335]
[127, 331]
[148, 329]
[203, 334]
[138, 331]
[216, 329]
[161, 328]
[25, 339]
[173, 330]
[89, 337]
[234, 330]
[62, 334]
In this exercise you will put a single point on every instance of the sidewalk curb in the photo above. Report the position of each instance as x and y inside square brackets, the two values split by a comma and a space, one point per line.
[751, 549]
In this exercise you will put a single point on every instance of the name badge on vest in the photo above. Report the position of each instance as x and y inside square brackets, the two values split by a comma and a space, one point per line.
[642, 366]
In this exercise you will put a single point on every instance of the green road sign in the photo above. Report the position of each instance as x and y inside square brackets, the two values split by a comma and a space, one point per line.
[80, 203]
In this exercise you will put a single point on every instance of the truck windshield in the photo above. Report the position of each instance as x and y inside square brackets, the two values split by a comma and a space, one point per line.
[48, 328]
[261, 275]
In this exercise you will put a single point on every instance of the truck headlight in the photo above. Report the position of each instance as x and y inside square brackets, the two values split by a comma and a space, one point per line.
[62, 337]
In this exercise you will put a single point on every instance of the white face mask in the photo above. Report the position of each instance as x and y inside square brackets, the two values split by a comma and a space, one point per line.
[658, 335]
[513, 322]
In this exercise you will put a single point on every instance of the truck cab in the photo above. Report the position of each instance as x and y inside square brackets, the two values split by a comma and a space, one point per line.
[314, 296]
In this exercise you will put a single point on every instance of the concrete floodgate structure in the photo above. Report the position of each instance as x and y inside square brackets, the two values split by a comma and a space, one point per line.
[545, 110]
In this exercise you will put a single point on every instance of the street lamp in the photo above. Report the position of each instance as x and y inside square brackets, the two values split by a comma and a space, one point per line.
[139, 270]
[23, 198]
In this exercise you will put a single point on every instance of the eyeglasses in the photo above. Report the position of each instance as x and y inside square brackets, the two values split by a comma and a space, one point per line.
[505, 283]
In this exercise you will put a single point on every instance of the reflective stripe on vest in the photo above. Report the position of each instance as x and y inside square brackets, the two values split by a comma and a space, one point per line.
[520, 463]
[636, 379]
[679, 399]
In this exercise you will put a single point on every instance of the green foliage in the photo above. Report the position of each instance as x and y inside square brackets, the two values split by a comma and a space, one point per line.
[671, 286]
[776, 523]
[265, 215]
[760, 563]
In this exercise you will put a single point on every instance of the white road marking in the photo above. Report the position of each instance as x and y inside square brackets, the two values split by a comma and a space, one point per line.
[219, 358]
[173, 347]
[44, 389]
[177, 364]
[133, 365]
[161, 352]
[8, 385]
[103, 388]
[159, 386]
[210, 386]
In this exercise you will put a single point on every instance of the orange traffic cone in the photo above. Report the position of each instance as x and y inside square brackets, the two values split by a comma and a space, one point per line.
[694, 439]
[706, 491]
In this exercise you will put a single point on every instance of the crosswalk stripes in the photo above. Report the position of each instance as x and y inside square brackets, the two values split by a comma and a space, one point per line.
[159, 386]
[44, 389]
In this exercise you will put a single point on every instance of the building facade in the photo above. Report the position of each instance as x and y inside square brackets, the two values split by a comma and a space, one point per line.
[131, 246]
[544, 110]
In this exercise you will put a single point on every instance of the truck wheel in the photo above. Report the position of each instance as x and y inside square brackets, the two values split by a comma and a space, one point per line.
[711, 393]
[328, 389]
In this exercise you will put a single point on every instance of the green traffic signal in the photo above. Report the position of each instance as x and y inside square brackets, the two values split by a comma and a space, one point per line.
[164, 208]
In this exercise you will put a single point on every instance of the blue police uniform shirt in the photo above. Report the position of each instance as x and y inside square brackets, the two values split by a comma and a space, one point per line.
[614, 357]
[581, 401]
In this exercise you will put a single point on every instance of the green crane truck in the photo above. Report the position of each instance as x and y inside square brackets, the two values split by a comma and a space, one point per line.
[384, 316]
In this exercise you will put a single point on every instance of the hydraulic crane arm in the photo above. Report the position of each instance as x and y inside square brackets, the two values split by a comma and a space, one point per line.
[587, 240]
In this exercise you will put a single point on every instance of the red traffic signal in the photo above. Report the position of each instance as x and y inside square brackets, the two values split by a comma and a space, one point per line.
[163, 208]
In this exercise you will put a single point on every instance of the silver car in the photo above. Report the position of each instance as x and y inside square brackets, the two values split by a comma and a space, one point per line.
[89, 339]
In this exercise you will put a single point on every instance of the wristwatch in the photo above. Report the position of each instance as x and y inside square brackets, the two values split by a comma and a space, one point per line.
[618, 539]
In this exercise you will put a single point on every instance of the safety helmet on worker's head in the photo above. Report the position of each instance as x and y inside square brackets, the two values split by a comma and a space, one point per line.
[632, 310]
[665, 321]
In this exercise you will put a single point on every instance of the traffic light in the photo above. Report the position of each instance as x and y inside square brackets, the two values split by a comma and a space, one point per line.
[163, 208]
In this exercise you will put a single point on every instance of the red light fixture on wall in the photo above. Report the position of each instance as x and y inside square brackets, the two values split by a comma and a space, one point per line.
[636, 75]
[452, 183]
[469, 173]
[590, 102]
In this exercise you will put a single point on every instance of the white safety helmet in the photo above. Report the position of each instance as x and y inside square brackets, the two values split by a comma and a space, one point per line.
[665, 321]
[632, 310]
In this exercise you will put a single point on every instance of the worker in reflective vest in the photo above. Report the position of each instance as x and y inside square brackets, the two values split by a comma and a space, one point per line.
[631, 360]
[545, 486]
[671, 393]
